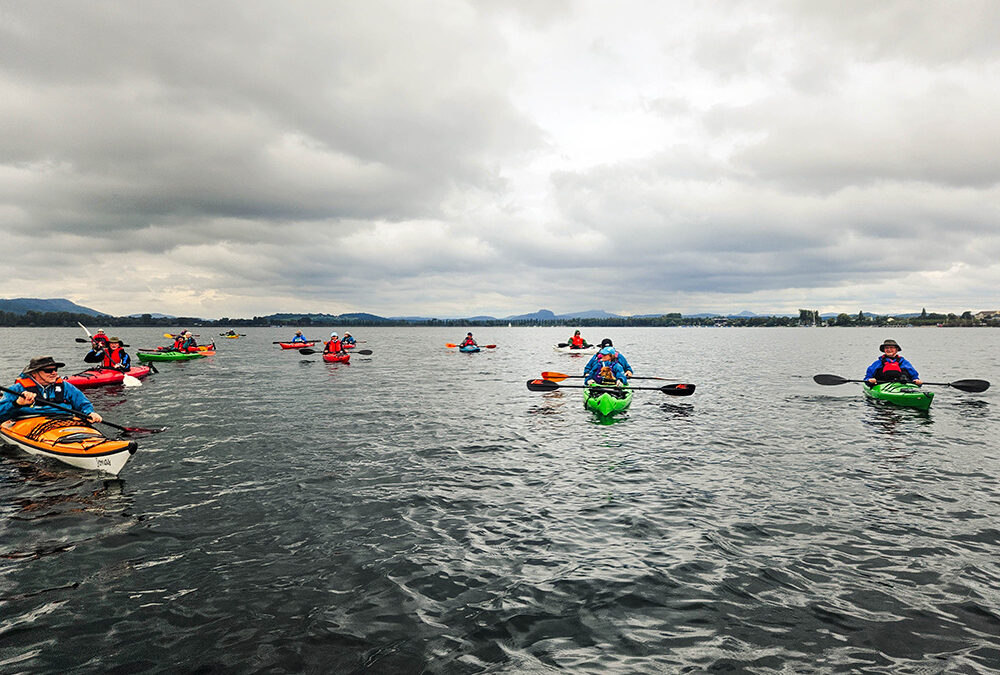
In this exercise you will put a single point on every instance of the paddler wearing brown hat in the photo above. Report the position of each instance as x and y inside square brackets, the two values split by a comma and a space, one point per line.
[891, 367]
[41, 378]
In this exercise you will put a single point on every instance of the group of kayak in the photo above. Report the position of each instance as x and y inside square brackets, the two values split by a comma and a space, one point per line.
[335, 350]
[890, 378]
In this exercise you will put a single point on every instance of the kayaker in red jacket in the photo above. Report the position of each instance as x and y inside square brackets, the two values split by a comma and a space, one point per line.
[333, 345]
[113, 356]
[891, 366]
[577, 342]
[467, 341]
[98, 340]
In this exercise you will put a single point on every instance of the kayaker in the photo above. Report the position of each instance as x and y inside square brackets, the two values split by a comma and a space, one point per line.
[179, 341]
[41, 378]
[619, 358]
[608, 371]
[113, 356]
[332, 346]
[190, 344]
[99, 340]
[348, 339]
[468, 341]
[891, 367]
[577, 342]
[299, 337]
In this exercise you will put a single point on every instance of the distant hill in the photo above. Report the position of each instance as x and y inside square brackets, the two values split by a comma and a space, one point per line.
[25, 305]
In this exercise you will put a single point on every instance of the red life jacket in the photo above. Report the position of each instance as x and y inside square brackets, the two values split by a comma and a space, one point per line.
[179, 342]
[57, 391]
[891, 368]
[113, 358]
[576, 341]
[333, 346]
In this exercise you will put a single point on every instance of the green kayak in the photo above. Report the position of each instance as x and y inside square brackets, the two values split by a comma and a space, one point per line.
[169, 356]
[900, 393]
[606, 400]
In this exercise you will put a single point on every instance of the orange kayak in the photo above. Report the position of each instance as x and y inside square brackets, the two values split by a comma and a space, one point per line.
[68, 440]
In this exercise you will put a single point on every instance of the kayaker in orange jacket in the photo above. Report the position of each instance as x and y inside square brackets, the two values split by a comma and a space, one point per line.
[577, 342]
[333, 346]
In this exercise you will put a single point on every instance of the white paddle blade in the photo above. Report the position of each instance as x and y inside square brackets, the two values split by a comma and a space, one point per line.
[131, 381]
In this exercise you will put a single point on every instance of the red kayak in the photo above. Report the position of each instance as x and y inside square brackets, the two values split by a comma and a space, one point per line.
[343, 346]
[99, 376]
[336, 358]
[295, 345]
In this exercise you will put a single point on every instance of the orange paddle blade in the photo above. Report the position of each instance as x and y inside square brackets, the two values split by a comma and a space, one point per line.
[489, 346]
[449, 344]
[554, 377]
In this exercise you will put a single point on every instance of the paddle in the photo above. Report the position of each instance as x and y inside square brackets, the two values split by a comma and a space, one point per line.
[559, 377]
[566, 344]
[291, 342]
[232, 334]
[87, 342]
[974, 386]
[128, 430]
[306, 351]
[171, 336]
[449, 345]
[668, 389]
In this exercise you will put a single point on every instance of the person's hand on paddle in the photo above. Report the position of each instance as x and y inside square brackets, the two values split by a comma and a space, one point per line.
[918, 382]
[94, 418]
[872, 381]
[26, 398]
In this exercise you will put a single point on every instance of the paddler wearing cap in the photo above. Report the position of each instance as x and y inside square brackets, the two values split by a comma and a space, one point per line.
[608, 370]
[595, 361]
[41, 378]
[891, 367]
[332, 346]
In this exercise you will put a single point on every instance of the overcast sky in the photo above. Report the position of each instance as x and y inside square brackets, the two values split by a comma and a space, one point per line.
[455, 157]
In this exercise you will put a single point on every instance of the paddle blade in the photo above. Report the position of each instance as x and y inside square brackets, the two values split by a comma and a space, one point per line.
[82, 341]
[974, 386]
[678, 389]
[132, 431]
[363, 352]
[307, 351]
[829, 379]
[556, 377]
[488, 346]
[131, 381]
[449, 344]
[542, 385]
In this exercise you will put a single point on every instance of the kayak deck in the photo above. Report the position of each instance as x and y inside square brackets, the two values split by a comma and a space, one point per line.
[68, 440]
[606, 399]
[899, 393]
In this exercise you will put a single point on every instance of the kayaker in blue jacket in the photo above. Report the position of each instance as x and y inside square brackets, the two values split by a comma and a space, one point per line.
[299, 337]
[190, 344]
[607, 370]
[891, 367]
[619, 358]
[112, 356]
[41, 378]
[348, 340]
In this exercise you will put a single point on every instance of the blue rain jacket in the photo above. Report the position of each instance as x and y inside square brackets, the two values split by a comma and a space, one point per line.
[72, 397]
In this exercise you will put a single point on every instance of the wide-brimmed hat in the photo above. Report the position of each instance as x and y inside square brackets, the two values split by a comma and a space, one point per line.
[889, 343]
[114, 339]
[40, 363]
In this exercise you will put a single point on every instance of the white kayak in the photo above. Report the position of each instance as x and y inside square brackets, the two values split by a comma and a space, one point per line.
[592, 349]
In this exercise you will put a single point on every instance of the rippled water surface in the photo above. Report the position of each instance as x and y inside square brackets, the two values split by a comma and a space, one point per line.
[419, 510]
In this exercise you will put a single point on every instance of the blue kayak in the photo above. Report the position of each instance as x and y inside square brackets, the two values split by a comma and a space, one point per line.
[469, 348]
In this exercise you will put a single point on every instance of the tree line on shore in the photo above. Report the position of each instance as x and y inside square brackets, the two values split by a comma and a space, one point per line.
[805, 318]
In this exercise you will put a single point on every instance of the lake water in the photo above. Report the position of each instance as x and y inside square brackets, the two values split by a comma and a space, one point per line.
[419, 510]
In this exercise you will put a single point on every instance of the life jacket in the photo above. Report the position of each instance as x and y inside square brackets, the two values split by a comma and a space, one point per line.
[179, 342]
[58, 389]
[113, 358]
[890, 370]
[576, 342]
[333, 346]
[468, 341]
[189, 344]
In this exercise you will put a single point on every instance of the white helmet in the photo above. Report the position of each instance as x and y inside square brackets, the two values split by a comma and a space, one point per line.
[333, 335]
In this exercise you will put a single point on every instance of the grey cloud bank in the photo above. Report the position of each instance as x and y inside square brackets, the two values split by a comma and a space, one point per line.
[462, 158]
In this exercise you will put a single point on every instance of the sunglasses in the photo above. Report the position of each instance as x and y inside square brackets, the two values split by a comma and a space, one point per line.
[48, 370]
